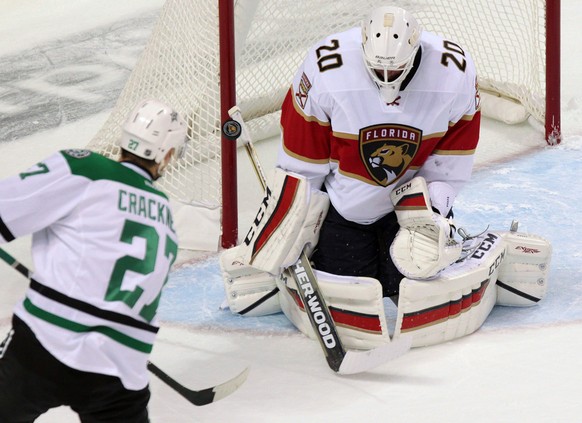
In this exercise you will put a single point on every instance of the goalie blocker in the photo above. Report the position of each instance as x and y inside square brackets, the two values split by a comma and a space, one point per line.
[288, 220]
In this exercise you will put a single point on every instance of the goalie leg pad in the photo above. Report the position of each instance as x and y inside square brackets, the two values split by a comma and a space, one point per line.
[288, 221]
[523, 275]
[249, 291]
[355, 304]
[457, 302]
[423, 246]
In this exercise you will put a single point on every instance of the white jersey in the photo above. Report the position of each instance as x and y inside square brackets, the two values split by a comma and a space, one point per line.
[103, 244]
[337, 131]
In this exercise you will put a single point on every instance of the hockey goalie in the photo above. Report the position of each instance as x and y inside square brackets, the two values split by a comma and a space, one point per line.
[450, 280]
[379, 131]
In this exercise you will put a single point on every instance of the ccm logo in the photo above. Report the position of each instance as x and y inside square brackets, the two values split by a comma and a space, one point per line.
[403, 188]
[497, 262]
[485, 246]
[258, 218]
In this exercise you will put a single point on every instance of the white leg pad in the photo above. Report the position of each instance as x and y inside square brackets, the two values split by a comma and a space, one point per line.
[523, 275]
[355, 304]
[249, 291]
[454, 304]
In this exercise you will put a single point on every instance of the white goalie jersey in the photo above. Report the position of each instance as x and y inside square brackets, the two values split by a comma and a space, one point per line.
[103, 244]
[338, 132]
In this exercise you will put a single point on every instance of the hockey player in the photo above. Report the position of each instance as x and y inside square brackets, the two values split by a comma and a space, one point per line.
[379, 130]
[369, 109]
[103, 243]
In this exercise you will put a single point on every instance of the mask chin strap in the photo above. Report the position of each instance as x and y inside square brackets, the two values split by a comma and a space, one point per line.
[389, 93]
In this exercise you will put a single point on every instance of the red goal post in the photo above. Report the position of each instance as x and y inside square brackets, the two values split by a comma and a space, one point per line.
[204, 56]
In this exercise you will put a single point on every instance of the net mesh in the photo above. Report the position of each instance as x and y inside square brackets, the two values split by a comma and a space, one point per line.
[180, 65]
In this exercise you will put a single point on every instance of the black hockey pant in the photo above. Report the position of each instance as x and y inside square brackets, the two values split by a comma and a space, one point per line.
[32, 381]
[351, 249]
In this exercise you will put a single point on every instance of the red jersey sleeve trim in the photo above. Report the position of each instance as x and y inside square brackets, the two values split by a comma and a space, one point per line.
[304, 137]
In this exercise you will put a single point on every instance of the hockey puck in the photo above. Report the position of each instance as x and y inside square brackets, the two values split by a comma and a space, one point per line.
[231, 129]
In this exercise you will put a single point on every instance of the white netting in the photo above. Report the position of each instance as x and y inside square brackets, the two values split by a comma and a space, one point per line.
[180, 65]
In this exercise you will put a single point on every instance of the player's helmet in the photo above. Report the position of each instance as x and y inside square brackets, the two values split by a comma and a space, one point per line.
[152, 129]
[390, 40]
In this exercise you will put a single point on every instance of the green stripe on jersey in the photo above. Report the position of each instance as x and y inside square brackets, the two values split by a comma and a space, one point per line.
[123, 339]
[96, 167]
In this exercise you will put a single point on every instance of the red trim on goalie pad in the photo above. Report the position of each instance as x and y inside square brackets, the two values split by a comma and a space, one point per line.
[440, 313]
[345, 318]
[279, 213]
[295, 295]
[355, 320]
[412, 202]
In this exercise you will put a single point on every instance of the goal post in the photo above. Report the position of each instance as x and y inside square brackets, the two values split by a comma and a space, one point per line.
[226, 29]
[552, 126]
[205, 56]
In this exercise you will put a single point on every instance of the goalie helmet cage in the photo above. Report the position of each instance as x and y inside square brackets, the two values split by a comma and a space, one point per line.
[196, 45]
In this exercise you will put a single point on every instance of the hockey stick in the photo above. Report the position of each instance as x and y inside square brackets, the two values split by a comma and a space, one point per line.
[338, 358]
[201, 397]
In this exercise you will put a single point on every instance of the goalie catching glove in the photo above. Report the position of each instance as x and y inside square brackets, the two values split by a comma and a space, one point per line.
[424, 245]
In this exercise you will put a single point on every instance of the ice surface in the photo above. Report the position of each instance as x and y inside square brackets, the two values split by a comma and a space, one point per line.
[62, 63]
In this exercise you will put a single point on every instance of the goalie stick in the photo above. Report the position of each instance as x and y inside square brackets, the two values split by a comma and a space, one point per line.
[338, 358]
[201, 397]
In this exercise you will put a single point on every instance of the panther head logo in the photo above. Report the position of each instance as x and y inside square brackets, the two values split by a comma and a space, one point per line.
[388, 150]
[392, 158]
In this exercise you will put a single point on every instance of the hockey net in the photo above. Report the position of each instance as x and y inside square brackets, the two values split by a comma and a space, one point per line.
[180, 65]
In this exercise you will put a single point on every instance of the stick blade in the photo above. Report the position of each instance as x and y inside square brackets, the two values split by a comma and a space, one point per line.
[228, 387]
[203, 396]
[362, 361]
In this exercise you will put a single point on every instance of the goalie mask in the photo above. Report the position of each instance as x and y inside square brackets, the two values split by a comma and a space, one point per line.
[390, 40]
[152, 129]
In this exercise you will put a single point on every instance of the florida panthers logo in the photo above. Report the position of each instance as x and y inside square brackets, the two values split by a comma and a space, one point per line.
[388, 150]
